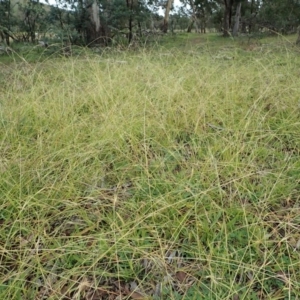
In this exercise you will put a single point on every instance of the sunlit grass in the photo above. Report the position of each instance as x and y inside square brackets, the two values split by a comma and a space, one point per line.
[142, 168]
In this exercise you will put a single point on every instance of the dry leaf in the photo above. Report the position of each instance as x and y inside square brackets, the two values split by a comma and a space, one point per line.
[157, 291]
[137, 296]
[283, 277]
[121, 287]
[298, 245]
[236, 297]
[133, 285]
[172, 255]
[181, 276]
[135, 293]
[25, 241]
[96, 295]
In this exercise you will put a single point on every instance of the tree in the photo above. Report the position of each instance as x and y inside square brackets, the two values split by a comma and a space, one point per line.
[237, 19]
[7, 21]
[298, 38]
[227, 17]
[194, 19]
[279, 16]
[252, 12]
[32, 19]
[102, 21]
[200, 12]
[167, 14]
[93, 29]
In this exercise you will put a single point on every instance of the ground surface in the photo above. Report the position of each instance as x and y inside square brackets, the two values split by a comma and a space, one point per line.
[170, 173]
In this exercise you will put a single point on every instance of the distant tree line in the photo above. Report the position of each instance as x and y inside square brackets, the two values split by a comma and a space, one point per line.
[104, 22]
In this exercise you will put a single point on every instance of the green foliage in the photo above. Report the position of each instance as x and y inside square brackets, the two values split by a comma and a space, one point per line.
[32, 19]
[5, 13]
[281, 16]
[134, 22]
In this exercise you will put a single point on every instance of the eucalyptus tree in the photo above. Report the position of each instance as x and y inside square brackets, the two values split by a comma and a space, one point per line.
[168, 7]
[5, 13]
[249, 12]
[280, 16]
[32, 18]
[97, 21]
[298, 37]
[229, 7]
[7, 20]
[234, 12]
[100, 21]
[86, 20]
[204, 11]
[200, 12]
[237, 19]
[227, 16]
[79, 21]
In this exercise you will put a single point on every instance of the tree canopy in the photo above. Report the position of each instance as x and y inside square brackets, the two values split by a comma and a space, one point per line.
[103, 22]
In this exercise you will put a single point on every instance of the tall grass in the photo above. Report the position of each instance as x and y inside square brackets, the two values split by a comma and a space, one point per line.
[164, 174]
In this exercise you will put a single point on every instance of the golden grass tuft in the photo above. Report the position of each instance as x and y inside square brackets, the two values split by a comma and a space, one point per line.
[162, 174]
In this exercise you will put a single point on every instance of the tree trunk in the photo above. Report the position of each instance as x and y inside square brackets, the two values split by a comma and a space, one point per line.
[167, 14]
[203, 26]
[130, 35]
[140, 28]
[93, 31]
[189, 29]
[130, 7]
[298, 39]
[152, 26]
[32, 32]
[251, 13]
[203, 20]
[8, 20]
[227, 17]
[7, 40]
[235, 30]
[194, 15]
[6, 35]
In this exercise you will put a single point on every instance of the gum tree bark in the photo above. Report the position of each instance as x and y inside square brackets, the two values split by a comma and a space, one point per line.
[129, 4]
[235, 30]
[167, 14]
[251, 12]
[298, 38]
[227, 17]
[194, 18]
[93, 31]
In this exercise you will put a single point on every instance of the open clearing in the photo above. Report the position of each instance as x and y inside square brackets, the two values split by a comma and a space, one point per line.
[155, 174]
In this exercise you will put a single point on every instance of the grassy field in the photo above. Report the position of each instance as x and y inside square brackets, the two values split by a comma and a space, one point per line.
[170, 173]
